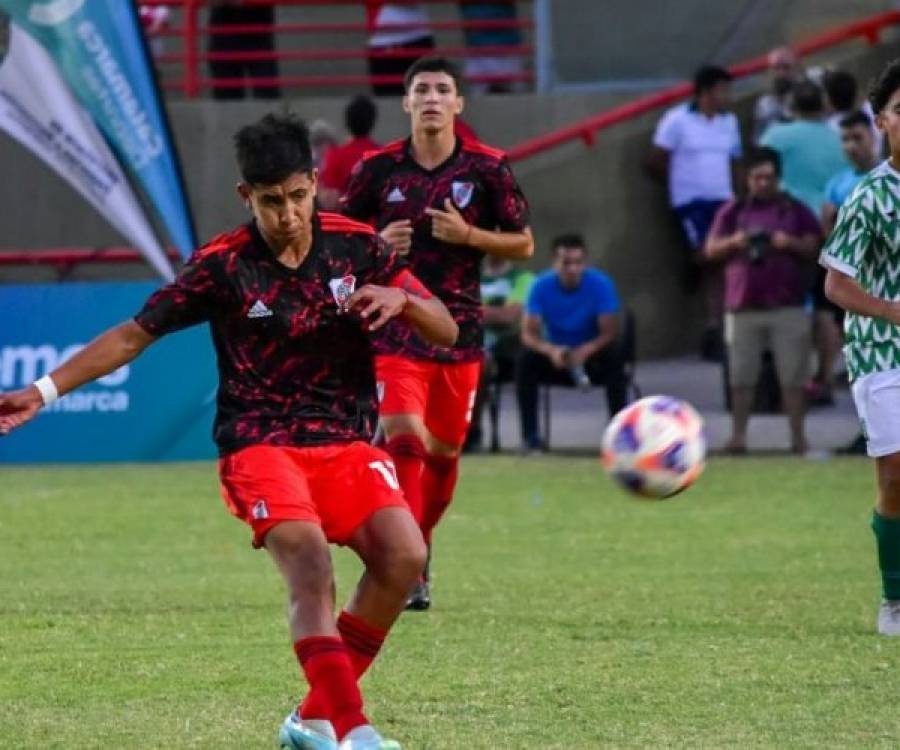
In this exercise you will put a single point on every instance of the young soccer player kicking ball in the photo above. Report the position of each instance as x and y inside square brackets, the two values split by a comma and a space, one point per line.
[862, 256]
[444, 201]
[292, 298]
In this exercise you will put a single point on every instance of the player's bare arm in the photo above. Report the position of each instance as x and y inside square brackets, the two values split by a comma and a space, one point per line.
[846, 292]
[109, 351]
[376, 305]
[450, 226]
[533, 338]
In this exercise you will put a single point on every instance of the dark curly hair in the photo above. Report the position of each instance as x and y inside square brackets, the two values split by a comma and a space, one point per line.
[272, 149]
[884, 86]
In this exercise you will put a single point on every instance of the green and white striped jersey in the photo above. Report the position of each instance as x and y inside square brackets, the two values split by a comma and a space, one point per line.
[865, 245]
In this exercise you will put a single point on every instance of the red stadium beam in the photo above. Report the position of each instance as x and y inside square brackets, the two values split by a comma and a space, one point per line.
[359, 54]
[330, 80]
[359, 27]
[183, 3]
[191, 64]
[71, 255]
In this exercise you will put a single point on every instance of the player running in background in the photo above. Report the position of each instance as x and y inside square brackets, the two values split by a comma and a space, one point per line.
[862, 256]
[445, 201]
[291, 299]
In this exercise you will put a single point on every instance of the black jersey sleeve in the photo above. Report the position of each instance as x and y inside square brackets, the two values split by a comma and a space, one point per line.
[387, 264]
[510, 207]
[187, 301]
[360, 199]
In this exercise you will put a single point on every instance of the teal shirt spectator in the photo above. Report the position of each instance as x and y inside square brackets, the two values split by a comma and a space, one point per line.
[811, 155]
[569, 316]
[841, 185]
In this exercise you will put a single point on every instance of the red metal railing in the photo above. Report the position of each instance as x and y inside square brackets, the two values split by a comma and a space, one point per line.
[868, 29]
[69, 256]
[193, 57]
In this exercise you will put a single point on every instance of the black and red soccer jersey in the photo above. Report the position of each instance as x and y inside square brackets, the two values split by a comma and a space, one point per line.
[293, 369]
[388, 185]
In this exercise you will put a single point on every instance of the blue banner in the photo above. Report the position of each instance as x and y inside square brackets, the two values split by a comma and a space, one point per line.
[160, 407]
[99, 49]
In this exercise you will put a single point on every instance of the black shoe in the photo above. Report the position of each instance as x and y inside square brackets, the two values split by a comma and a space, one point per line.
[857, 447]
[420, 598]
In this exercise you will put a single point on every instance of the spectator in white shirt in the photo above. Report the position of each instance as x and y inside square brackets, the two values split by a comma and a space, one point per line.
[697, 146]
[406, 44]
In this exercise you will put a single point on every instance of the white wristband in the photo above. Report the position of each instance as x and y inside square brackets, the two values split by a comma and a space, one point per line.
[47, 388]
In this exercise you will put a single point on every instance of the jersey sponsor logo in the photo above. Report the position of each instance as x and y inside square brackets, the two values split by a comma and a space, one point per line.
[342, 288]
[259, 310]
[260, 510]
[396, 196]
[461, 193]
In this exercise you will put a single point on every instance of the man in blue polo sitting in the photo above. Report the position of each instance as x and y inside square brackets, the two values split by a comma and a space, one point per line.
[569, 334]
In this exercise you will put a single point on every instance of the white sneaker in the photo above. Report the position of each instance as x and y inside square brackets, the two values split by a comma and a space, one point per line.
[889, 617]
[366, 738]
[322, 726]
[310, 734]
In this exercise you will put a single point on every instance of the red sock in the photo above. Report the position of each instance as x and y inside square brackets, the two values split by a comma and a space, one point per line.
[363, 641]
[438, 483]
[408, 454]
[329, 671]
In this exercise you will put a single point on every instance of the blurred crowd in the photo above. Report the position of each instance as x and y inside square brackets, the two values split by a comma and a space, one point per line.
[753, 201]
[753, 216]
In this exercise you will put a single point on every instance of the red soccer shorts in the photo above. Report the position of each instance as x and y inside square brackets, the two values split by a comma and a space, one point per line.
[337, 487]
[441, 393]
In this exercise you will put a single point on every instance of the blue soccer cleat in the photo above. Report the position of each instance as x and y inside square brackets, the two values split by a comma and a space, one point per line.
[297, 734]
[366, 738]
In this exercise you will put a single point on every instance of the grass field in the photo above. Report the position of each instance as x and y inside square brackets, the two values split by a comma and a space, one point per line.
[133, 614]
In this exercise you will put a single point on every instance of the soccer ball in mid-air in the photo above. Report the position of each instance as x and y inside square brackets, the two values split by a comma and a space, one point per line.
[655, 447]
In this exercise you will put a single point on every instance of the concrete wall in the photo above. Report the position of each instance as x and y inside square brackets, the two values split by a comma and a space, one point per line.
[601, 192]
[596, 40]
[42, 211]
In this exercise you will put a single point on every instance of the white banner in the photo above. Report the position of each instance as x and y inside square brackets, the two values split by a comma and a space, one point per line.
[37, 109]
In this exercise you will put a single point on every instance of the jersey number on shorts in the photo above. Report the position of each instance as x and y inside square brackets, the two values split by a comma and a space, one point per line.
[388, 472]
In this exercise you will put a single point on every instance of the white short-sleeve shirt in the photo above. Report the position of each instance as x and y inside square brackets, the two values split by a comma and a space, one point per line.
[701, 149]
[391, 13]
